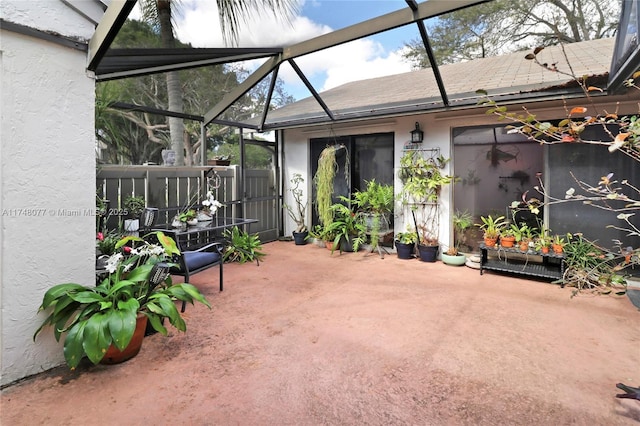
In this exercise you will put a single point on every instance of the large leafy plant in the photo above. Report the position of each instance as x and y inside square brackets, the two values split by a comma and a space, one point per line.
[92, 318]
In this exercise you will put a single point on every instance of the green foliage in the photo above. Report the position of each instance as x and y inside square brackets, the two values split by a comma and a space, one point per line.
[591, 268]
[323, 180]
[241, 246]
[132, 137]
[134, 206]
[492, 226]
[94, 317]
[462, 220]
[422, 178]
[106, 242]
[377, 198]
[187, 215]
[321, 233]
[407, 237]
[256, 157]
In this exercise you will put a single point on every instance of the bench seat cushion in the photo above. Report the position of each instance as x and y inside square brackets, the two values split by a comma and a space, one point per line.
[195, 260]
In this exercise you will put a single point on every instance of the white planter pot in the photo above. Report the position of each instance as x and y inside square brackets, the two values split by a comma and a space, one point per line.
[131, 225]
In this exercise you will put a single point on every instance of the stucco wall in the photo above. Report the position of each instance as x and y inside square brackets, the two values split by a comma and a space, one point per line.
[297, 155]
[47, 177]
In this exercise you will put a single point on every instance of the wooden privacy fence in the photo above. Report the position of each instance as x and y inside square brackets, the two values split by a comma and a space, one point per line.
[167, 187]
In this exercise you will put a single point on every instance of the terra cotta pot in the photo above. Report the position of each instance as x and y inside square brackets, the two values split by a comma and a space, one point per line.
[115, 356]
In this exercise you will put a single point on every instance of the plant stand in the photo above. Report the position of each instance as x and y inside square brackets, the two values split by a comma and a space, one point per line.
[510, 260]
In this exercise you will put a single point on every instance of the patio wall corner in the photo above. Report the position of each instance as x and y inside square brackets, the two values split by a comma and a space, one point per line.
[47, 175]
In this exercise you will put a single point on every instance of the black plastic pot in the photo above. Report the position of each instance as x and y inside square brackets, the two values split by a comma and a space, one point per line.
[300, 238]
[345, 244]
[428, 253]
[405, 251]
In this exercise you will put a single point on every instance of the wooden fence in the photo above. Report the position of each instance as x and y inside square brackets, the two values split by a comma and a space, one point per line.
[166, 187]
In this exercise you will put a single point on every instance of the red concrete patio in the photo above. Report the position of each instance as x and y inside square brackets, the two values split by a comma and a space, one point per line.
[308, 338]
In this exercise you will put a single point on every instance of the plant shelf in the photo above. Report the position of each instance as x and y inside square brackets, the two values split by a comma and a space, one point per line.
[514, 261]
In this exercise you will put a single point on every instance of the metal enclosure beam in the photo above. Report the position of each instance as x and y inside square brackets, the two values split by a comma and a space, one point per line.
[242, 88]
[107, 29]
[425, 10]
[399, 18]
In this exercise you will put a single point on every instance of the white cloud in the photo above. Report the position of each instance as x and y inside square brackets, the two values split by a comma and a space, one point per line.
[360, 59]
[200, 26]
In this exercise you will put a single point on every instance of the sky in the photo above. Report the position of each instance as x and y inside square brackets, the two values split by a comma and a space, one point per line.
[361, 59]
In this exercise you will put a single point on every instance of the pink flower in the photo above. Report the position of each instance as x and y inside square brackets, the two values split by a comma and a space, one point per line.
[100, 236]
[126, 249]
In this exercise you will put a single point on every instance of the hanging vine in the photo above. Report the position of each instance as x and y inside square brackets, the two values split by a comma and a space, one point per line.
[323, 180]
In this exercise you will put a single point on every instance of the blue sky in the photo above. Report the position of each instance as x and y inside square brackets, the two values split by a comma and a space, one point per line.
[367, 58]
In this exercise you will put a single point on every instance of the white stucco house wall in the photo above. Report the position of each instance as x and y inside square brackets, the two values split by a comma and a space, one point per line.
[47, 153]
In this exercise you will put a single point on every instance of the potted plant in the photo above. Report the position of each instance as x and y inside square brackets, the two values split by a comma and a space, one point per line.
[557, 244]
[298, 214]
[492, 226]
[188, 217]
[347, 228]
[461, 222]
[374, 204]
[209, 208]
[526, 237]
[543, 244]
[134, 207]
[100, 321]
[219, 160]
[318, 235]
[405, 243]
[508, 236]
[428, 244]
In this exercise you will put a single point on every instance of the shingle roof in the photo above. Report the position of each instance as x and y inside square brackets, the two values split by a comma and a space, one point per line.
[417, 90]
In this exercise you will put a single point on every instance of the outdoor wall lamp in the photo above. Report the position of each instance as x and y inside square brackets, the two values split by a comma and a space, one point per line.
[417, 135]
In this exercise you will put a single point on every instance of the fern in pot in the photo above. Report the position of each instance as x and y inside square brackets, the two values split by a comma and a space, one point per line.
[374, 204]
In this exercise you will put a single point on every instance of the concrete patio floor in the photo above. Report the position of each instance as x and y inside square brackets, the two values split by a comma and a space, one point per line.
[309, 338]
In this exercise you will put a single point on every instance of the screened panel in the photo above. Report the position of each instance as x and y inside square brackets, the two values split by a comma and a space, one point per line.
[494, 169]
[589, 163]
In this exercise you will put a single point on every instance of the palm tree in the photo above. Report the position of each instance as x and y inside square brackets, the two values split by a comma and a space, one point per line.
[232, 13]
